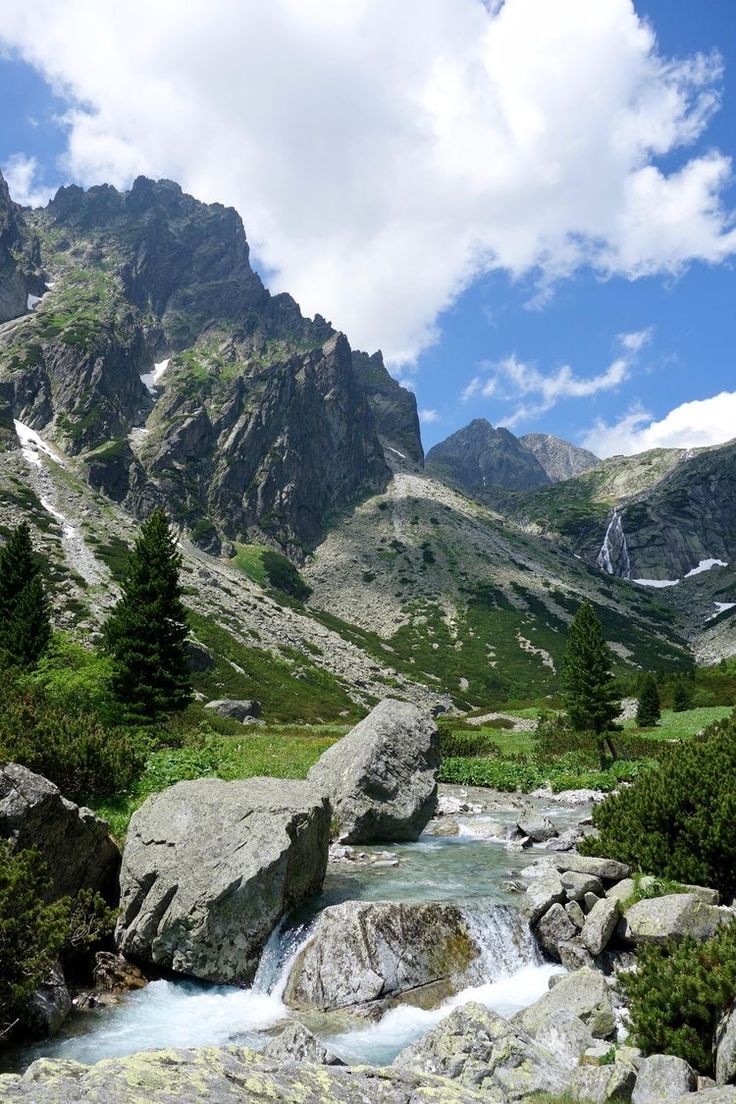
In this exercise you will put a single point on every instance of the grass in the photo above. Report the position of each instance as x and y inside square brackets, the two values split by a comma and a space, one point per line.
[681, 726]
[280, 751]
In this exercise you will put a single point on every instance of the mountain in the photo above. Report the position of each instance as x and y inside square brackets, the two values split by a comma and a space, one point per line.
[20, 274]
[479, 456]
[560, 459]
[325, 567]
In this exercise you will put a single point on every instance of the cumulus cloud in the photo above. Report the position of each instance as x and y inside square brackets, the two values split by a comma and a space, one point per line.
[21, 174]
[691, 425]
[384, 155]
[426, 417]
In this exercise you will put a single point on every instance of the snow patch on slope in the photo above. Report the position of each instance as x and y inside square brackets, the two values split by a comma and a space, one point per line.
[151, 379]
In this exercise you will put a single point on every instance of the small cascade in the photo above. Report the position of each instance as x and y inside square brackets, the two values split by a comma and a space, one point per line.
[504, 939]
[614, 553]
[277, 958]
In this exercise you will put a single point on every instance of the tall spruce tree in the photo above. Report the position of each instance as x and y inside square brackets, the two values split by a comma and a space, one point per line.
[589, 691]
[25, 625]
[682, 697]
[648, 710]
[147, 629]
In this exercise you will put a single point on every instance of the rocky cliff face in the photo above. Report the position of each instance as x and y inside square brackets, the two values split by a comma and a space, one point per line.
[560, 459]
[480, 457]
[260, 424]
[20, 274]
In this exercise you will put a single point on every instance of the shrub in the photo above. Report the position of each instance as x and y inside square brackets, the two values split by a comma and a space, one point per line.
[465, 742]
[31, 930]
[678, 819]
[283, 576]
[679, 993]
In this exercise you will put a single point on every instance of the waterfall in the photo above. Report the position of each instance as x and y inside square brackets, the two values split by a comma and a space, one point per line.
[614, 551]
[504, 940]
[278, 956]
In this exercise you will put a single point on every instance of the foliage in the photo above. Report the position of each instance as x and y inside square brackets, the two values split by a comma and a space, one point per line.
[69, 747]
[31, 930]
[680, 818]
[25, 627]
[269, 568]
[465, 742]
[90, 922]
[678, 994]
[682, 696]
[648, 710]
[147, 630]
[77, 678]
[509, 775]
[589, 690]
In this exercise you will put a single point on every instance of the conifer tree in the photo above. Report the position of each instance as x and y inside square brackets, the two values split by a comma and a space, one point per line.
[682, 698]
[147, 629]
[25, 627]
[589, 691]
[648, 710]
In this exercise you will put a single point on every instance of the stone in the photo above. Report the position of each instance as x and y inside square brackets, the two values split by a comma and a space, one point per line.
[710, 896]
[585, 994]
[75, 844]
[674, 916]
[565, 841]
[576, 914]
[577, 885]
[225, 1075]
[296, 1043]
[705, 1083]
[381, 779]
[541, 894]
[553, 928]
[589, 901]
[608, 870]
[536, 826]
[235, 710]
[566, 1037]
[600, 924]
[477, 1048]
[573, 955]
[622, 890]
[48, 1007]
[720, 1094]
[725, 1048]
[365, 951]
[210, 867]
[442, 827]
[600, 1084]
[114, 974]
[662, 1078]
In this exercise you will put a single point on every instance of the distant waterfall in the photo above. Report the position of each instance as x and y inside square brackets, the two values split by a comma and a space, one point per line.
[614, 554]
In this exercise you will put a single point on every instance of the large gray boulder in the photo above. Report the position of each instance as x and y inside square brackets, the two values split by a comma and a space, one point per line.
[608, 870]
[478, 1048]
[600, 924]
[234, 709]
[603, 1083]
[725, 1047]
[48, 1007]
[210, 867]
[662, 1078]
[381, 778]
[553, 928]
[365, 951]
[585, 994]
[76, 844]
[541, 894]
[296, 1043]
[536, 825]
[225, 1075]
[675, 916]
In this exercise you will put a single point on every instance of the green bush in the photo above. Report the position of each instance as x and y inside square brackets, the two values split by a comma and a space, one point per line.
[679, 819]
[70, 748]
[679, 993]
[32, 931]
[283, 576]
[77, 678]
[457, 742]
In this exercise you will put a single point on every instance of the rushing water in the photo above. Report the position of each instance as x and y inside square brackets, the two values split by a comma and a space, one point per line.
[508, 975]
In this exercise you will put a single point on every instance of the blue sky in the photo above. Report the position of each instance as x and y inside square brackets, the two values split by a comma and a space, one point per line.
[369, 163]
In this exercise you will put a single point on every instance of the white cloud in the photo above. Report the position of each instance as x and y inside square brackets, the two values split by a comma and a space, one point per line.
[635, 342]
[426, 417]
[383, 155]
[21, 173]
[691, 425]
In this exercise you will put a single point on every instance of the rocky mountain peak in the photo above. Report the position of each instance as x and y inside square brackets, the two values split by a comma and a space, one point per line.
[20, 271]
[481, 456]
[559, 458]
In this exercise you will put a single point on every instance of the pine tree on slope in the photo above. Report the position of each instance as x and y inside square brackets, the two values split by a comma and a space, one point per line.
[147, 629]
[682, 698]
[648, 710]
[588, 687]
[25, 626]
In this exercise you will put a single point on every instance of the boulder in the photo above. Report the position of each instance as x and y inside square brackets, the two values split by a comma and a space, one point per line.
[477, 1048]
[565, 841]
[675, 916]
[600, 924]
[381, 779]
[235, 710]
[224, 1075]
[662, 1078]
[576, 914]
[541, 894]
[725, 1048]
[365, 951]
[566, 1037]
[48, 1007]
[600, 1084]
[114, 974]
[608, 870]
[573, 955]
[577, 886]
[536, 826]
[75, 843]
[553, 928]
[584, 994]
[210, 867]
[622, 890]
[721, 1094]
[296, 1043]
